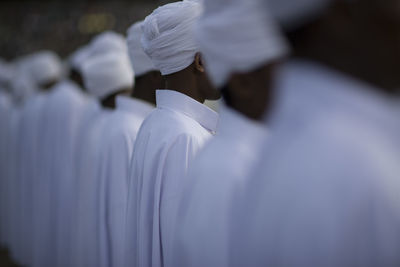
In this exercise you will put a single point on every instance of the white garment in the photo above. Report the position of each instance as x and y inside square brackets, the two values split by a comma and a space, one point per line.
[116, 153]
[62, 114]
[168, 35]
[236, 36]
[326, 189]
[86, 237]
[140, 62]
[5, 113]
[166, 144]
[218, 176]
[30, 128]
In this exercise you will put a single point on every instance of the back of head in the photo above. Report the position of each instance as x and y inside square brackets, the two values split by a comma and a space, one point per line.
[107, 74]
[45, 67]
[168, 37]
[236, 37]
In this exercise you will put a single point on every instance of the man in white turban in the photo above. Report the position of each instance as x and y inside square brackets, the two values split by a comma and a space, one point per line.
[116, 153]
[325, 192]
[242, 47]
[107, 77]
[171, 136]
[44, 70]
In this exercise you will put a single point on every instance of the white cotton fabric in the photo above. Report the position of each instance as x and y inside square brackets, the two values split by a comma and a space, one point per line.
[219, 173]
[141, 63]
[79, 57]
[337, 204]
[107, 74]
[115, 156]
[52, 218]
[165, 147]
[237, 36]
[86, 251]
[107, 42]
[45, 66]
[168, 36]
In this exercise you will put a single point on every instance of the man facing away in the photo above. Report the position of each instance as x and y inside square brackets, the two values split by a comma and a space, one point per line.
[171, 136]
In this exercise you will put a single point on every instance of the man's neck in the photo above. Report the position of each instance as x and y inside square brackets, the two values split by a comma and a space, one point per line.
[183, 82]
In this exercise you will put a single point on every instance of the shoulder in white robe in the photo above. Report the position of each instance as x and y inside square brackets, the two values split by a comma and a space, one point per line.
[166, 144]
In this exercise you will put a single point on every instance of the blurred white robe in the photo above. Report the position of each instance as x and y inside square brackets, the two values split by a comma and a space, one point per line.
[62, 115]
[218, 175]
[31, 127]
[5, 110]
[116, 153]
[86, 218]
[166, 144]
[326, 192]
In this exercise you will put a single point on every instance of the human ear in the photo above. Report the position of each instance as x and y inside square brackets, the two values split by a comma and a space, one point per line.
[198, 63]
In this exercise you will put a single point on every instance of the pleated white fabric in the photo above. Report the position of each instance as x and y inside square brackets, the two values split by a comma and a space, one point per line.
[218, 175]
[326, 189]
[116, 153]
[167, 142]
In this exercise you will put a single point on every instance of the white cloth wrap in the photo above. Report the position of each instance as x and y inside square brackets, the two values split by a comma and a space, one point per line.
[141, 63]
[168, 36]
[45, 66]
[106, 74]
[79, 57]
[107, 42]
[237, 36]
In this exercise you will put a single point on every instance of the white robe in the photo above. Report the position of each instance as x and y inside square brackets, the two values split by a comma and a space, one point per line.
[31, 126]
[86, 235]
[5, 110]
[116, 153]
[218, 175]
[166, 144]
[61, 115]
[326, 191]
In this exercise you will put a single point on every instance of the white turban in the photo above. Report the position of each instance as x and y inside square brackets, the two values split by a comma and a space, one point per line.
[141, 63]
[79, 57]
[107, 74]
[237, 36]
[6, 71]
[44, 66]
[168, 37]
[294, 13]
[108, 42]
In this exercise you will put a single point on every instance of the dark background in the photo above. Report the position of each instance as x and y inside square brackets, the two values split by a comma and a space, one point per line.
[62, 26]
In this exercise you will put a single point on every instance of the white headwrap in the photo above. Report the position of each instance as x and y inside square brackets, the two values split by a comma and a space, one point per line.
[107, 42]
[6, 71]
[168, 36]
[106, 74]
[45, 66]
[237, 36]
[79, 57]
[294, 13]
[141, 63]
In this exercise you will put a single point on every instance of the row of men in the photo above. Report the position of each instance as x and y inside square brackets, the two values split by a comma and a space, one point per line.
[301, 167]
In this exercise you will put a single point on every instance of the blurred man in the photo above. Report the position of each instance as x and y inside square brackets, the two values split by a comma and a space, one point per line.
[106, 77]
[172, 135]
[241, 53]
[116, 153]
[44, 70]
[325, 192]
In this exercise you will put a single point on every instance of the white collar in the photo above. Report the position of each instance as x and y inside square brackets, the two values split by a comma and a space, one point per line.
[184, 104]
[133, 105]
[234, 125]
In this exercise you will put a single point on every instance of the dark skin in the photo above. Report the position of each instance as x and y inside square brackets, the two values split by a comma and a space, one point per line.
[76, 76]
[109, 101]
[192, 82]
[360, 38]
[251, 93]
[146, 86]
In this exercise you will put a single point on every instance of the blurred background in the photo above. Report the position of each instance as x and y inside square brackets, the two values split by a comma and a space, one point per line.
[62, 26]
